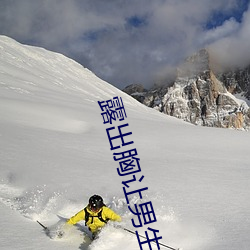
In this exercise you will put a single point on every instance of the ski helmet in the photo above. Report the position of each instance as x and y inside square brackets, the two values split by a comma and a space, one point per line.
[95, 202]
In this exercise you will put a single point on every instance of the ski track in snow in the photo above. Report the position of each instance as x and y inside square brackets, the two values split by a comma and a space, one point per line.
[36, 205]
[40, 204]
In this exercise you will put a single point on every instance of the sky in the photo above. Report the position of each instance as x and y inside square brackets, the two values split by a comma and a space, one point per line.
[132, 41]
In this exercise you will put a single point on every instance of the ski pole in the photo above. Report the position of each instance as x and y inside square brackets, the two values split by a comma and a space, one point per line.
[153, 241]
[45, 228]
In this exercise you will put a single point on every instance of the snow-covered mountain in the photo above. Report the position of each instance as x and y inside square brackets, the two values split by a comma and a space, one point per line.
[201, 95]
[55, 153]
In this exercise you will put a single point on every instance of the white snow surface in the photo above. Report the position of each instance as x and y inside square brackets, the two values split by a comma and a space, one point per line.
[55, 154]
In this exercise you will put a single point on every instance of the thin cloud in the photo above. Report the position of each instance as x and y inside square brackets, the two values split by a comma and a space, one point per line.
[233, 49]
[228, 28]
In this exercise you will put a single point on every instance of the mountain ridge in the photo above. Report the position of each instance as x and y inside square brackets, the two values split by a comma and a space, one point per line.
[201, 95]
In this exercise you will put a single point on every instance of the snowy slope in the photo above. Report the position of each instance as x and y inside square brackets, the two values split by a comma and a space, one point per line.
[55, 154]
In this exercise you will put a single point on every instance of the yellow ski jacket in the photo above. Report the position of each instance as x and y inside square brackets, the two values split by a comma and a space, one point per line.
[94, 223]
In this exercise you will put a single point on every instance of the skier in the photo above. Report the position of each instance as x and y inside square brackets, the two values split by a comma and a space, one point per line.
[95, 214]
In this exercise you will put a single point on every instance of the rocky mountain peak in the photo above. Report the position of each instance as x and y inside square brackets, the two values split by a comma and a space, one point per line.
[202, 97]
[196, 64]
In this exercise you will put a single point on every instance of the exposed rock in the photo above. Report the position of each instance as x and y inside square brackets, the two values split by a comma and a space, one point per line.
[201, 97]
[237, 81]
[137, 91]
